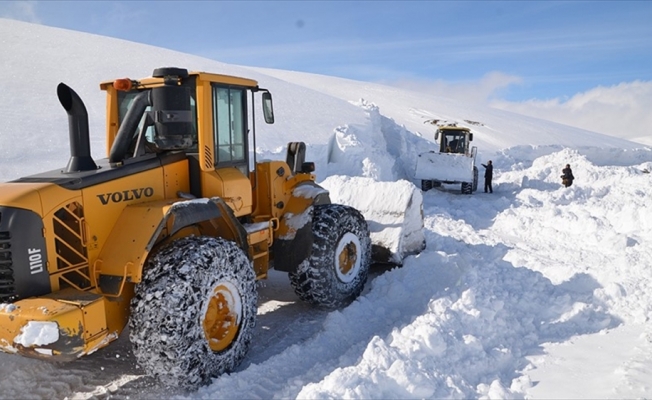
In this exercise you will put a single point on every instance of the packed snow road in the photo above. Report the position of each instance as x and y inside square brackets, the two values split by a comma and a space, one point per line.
[112, 371]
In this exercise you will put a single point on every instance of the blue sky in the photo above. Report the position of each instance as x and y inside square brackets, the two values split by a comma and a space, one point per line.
[518, 50]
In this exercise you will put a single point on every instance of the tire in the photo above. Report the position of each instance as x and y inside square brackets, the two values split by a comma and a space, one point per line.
[337, 268]
[426, 185]
[467, 188]
[436, 184]
[475, 179]
[193, 289]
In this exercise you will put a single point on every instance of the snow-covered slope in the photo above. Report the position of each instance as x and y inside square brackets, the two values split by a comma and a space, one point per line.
[324, 109]
[533, 291]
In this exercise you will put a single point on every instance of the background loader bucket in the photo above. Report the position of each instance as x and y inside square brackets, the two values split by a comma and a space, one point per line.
[445, 167]
[393, 210]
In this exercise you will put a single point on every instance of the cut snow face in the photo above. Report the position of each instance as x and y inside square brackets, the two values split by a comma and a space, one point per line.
[380, 149]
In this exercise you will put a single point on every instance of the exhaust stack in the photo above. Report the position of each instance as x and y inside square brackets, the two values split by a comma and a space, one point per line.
[80, 146]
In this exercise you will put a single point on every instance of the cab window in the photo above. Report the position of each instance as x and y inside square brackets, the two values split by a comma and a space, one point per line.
[454, 142]
[229, 124]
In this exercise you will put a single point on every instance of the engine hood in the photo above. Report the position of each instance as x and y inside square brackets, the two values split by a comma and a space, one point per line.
[22, 195]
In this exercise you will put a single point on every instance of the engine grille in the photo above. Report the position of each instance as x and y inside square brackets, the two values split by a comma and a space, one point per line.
[7, 282]
[71, 255]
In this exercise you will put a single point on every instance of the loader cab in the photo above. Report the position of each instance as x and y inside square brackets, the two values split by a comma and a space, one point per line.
[209, 117]
[454, 140]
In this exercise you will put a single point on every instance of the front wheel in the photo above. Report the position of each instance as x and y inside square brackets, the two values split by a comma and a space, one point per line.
[194, 312]
[337, 268]
[426, 184]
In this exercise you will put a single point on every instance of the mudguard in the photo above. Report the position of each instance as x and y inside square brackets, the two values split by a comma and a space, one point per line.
[142, 226]
[293, 239]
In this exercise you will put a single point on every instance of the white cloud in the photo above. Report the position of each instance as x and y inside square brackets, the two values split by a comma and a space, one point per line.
[469, 91]
[20, 10]
[621, 110]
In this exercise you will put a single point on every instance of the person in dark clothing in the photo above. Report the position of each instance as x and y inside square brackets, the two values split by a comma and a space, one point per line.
[567, 177]
[488, 175]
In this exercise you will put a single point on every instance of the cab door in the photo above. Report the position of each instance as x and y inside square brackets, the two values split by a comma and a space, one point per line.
[228, 177]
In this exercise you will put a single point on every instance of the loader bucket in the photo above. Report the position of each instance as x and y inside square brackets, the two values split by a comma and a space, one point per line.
[393, 210]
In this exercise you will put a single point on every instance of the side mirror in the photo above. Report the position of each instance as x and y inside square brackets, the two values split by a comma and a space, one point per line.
[436, 135]
[268, 109]
[470, 137]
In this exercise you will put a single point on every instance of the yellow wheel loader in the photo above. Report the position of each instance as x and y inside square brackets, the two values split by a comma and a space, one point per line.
[170, 232]
[454, 163]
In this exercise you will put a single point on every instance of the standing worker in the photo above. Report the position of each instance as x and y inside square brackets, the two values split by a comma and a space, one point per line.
[567, 177]
[488, 175]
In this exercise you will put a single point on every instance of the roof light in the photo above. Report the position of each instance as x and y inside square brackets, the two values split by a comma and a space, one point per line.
[124, 84]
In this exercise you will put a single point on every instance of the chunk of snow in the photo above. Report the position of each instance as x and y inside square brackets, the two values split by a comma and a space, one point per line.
[308, 191]
[38, 333]
[7, 307]
[296, 222]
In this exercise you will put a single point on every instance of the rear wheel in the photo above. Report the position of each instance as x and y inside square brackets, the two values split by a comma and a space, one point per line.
[338, 266]
[467, 188]
[194, 312]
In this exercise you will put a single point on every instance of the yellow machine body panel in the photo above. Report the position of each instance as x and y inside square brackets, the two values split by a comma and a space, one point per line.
[78, 227]
[274, 194]
[22, 195]
[61, 326]
[104, 203]
[123, 255]
[232, 186]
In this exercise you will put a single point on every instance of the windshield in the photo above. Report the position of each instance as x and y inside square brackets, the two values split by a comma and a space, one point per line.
[125, 100]
[454, 141]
